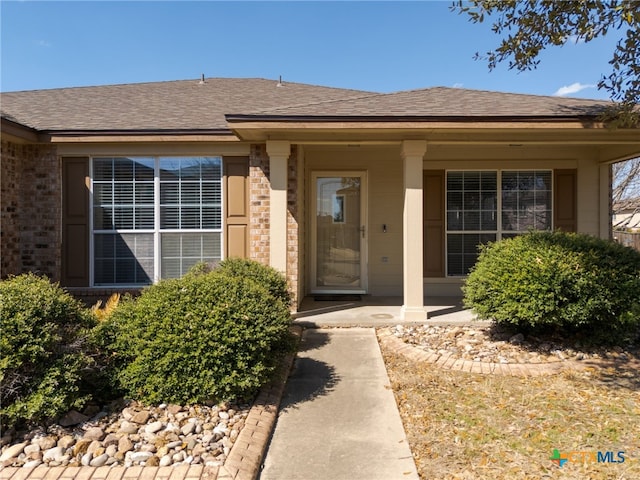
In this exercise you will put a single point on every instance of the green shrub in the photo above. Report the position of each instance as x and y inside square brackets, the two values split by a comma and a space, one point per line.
[545, 280]
[267, 276]
[42, 350]
[207, 336]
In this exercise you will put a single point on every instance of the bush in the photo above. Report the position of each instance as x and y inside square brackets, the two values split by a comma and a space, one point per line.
[545, 280]
[267, 276]
[42, 342]
[207, 336]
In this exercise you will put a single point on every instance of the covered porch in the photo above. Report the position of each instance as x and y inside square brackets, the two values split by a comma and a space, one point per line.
[379, 311]
[398, 167]
[357, 224]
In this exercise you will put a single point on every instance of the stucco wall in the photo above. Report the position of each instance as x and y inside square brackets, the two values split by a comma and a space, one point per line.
[384, 168]
[384, 176]
[592, 212]
[31, 210]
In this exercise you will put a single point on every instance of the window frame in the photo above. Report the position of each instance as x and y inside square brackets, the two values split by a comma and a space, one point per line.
[499, 232]
[157, 231]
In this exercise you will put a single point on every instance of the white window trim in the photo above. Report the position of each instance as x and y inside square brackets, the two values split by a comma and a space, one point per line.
[499, 231]
[156, 231]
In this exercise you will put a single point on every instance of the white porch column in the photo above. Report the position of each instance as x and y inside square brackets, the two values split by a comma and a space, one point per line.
[278, 151]
[605, 201]
[413, 306]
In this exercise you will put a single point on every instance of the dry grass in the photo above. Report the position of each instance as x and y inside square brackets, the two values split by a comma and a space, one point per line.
[471, 426]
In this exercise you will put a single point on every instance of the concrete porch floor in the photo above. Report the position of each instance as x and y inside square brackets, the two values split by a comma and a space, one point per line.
[373, 311]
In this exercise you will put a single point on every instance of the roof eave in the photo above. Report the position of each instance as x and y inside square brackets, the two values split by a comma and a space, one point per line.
[18, 132]
[263, 127]
[139, 135]
[239, 118]
[134, 131]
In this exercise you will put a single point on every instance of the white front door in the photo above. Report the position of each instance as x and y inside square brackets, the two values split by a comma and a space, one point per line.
[338, 232]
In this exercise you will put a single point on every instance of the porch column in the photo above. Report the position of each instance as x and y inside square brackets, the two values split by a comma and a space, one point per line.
[413, 306]
[278, 151]
[605, 202]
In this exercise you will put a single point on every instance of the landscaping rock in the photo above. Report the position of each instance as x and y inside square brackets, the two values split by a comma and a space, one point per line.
[128, 427]
[111, 439]
[13, 451]
[138, 457]
[45, 443]
[125, 444]
[188, 428]
[73, 418]
[81, 447]
[141, 417]
[154, 427]
[66, 441]
[173, 434]
[53, 454]
[94, 433]
[99, 461]
[31, 449]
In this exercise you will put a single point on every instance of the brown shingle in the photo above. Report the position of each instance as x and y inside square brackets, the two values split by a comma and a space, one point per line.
[447, 102]
[178, 105]
[190, 105]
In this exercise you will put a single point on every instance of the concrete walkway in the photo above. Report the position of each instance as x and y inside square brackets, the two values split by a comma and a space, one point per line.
[338, 417]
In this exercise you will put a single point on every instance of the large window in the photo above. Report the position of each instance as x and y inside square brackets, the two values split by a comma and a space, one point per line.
[485, 206]
[154, 217]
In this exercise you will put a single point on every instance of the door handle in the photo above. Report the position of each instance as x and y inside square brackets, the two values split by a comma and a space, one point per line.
[362, 230]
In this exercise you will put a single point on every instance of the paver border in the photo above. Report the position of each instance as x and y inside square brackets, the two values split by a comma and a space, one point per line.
[448, 362]
[242, 463]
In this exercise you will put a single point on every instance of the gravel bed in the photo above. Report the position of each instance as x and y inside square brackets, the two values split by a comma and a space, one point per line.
[129, 434]
[495, 345]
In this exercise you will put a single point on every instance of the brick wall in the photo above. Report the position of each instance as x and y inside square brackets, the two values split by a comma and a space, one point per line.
[293, 224]
[259, 203]
[30, 210]
[9, 200]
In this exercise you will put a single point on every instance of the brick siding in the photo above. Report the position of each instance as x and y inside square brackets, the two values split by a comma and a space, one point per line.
[31, 210]
[293, 224]
[259, 204]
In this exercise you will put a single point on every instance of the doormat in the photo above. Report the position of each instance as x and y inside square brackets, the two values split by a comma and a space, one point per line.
[338, 298]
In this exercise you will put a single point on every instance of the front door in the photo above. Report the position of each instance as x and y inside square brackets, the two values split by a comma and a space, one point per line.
[338, 257]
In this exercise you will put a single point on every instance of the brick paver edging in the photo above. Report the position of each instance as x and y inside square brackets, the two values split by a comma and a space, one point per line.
[448, 361]
[243, 461]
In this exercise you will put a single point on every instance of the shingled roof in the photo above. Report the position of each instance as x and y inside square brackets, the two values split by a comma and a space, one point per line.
[446, 102]
[177, 105]
[192, 105]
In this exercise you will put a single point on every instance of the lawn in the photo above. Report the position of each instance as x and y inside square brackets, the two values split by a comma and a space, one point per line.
[473, 426]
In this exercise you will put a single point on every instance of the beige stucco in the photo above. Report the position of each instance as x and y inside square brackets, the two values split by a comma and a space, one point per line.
[384, 166]
[412, 153]
[278, 152]
[384, 177]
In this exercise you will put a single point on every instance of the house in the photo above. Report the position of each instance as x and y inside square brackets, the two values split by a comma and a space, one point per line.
[626, 214]
[114, 187]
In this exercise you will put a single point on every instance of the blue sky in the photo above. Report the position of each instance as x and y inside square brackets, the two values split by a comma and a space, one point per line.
[378, 46]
